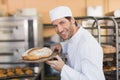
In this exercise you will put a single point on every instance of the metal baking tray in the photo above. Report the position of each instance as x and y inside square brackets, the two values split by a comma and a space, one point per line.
[19, 77]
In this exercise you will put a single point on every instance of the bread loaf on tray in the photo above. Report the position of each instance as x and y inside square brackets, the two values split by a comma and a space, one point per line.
[37, 53]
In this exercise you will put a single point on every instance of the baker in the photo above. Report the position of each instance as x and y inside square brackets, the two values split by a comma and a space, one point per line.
[84, 53]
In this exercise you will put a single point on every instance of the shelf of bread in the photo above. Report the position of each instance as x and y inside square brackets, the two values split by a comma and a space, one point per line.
[108, 49]
[16, 72]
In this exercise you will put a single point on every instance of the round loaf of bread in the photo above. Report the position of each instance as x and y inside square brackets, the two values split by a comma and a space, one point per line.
[37, 53]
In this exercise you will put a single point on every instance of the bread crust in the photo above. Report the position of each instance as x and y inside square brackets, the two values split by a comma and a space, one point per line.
[36, 54]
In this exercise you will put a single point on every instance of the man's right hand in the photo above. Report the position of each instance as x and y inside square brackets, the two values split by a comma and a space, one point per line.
[57, 47]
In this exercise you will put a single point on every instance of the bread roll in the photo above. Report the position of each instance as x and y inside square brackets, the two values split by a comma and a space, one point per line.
[37, 53]
[2, 75]
[109, 68]
[10, 74]
[108, 49]
[28, 72]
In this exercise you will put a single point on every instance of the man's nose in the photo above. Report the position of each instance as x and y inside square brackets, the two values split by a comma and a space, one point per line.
[60, 29]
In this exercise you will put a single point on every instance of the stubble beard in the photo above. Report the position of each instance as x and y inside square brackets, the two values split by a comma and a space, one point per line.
[70, 33]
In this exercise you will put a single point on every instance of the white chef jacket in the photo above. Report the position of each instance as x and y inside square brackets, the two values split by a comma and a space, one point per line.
[84, 56]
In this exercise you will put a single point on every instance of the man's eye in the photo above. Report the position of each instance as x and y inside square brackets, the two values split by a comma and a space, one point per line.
[61, 23]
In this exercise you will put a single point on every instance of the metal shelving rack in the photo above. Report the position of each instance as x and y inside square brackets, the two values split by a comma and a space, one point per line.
[118, 22]
[114, 42]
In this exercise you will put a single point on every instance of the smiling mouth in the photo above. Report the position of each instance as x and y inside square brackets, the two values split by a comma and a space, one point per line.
[63, 33]
[63, 36]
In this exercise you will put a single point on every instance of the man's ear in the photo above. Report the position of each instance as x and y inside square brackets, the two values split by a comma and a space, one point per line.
[72, 20]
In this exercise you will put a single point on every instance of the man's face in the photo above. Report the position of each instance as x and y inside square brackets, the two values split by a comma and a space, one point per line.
[63, 28]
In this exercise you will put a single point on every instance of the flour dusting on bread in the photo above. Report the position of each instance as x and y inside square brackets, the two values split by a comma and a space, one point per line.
[37, 53]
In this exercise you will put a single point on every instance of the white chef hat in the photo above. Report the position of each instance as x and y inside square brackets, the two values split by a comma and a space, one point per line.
[60, 12]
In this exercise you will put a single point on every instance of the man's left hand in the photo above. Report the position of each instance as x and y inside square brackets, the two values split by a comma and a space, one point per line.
[56, 64]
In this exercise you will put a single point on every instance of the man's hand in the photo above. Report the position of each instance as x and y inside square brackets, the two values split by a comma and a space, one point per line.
[57, 47]
[56, 64]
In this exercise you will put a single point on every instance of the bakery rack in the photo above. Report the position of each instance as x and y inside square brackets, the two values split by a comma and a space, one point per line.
[111, 39]
[118, 22]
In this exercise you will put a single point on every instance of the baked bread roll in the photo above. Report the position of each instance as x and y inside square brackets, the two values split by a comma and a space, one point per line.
[2, 75]
[29, 72]
[108, 49]
[26, 68]
[37, 53]
[109, 68]
[10, 74]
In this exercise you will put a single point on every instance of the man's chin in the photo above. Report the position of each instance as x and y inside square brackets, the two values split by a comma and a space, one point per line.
[63, 38]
